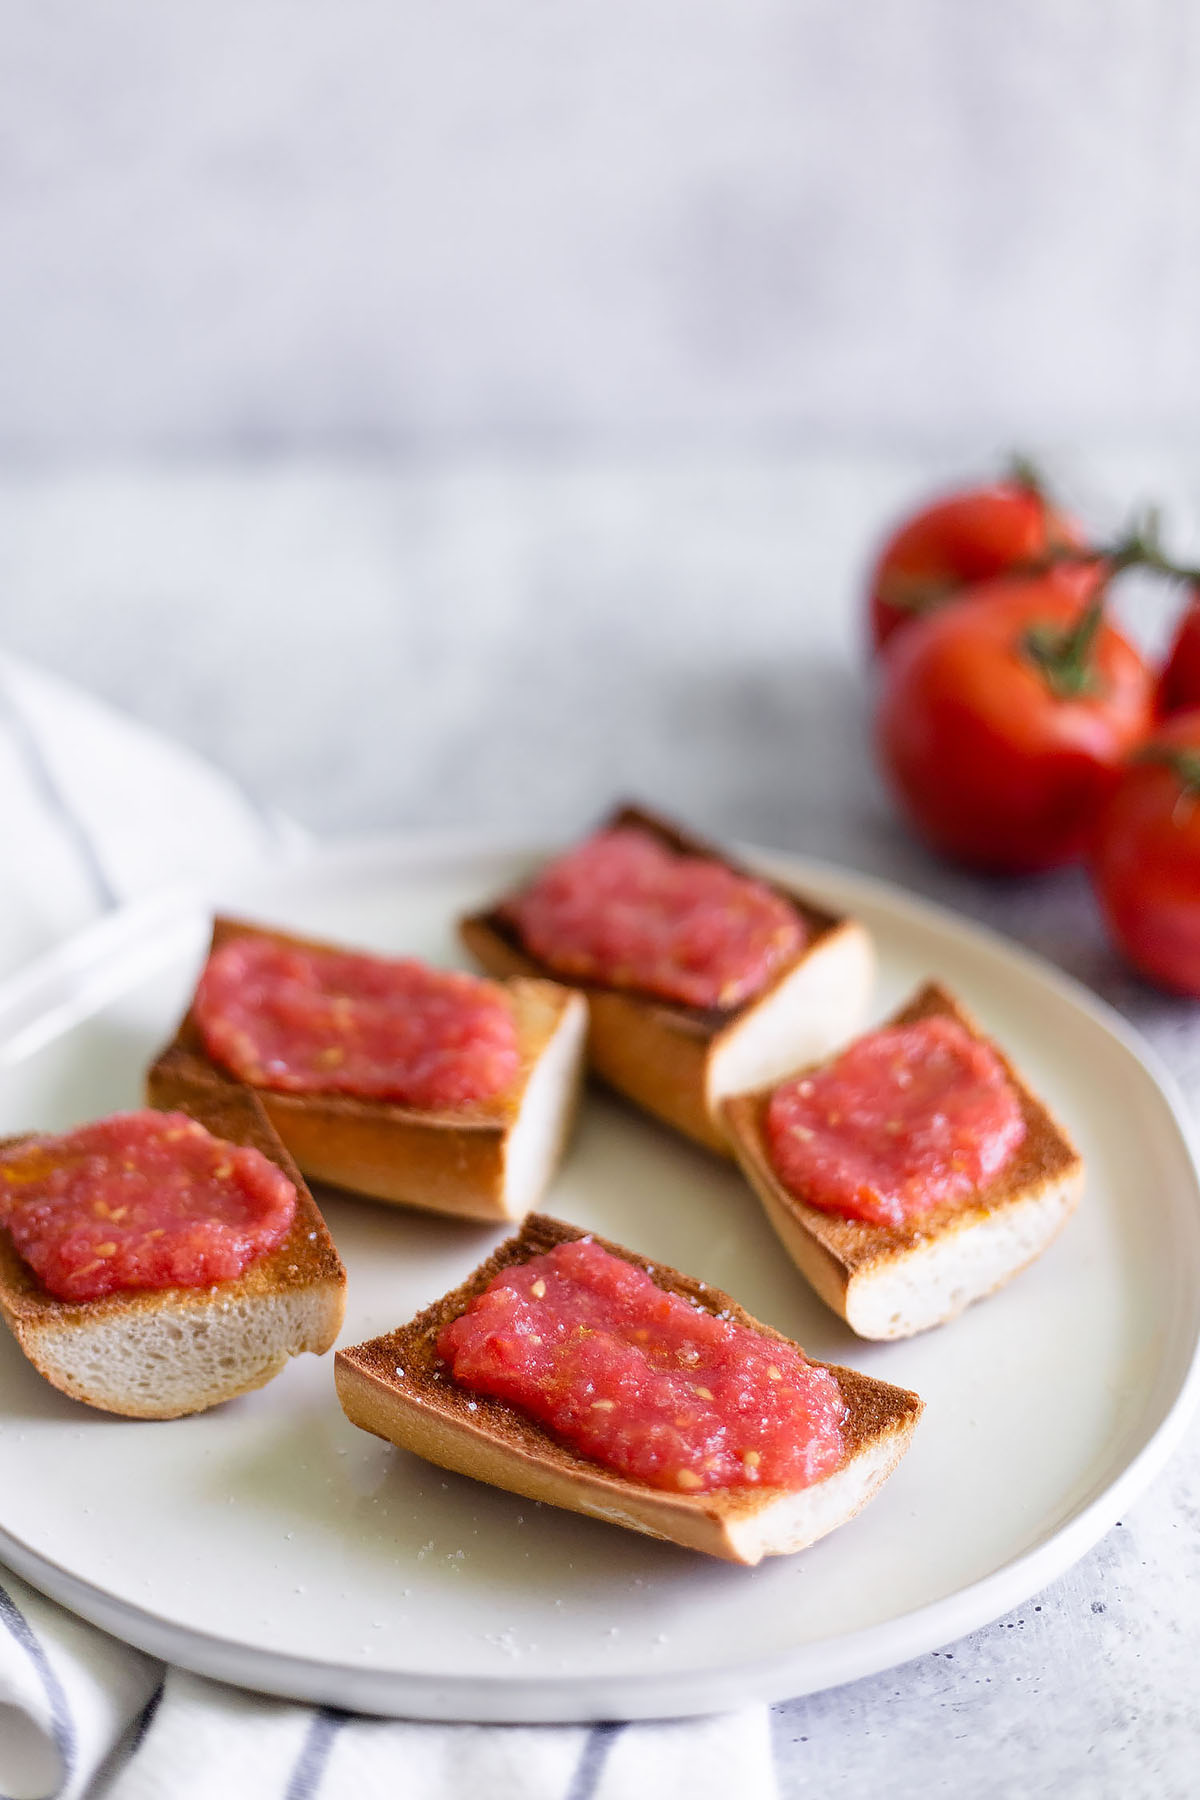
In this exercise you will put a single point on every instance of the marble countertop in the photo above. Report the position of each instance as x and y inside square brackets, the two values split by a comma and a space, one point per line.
[382, 646]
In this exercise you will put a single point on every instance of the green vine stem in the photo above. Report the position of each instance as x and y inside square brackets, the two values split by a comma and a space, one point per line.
[1065, 657]
[1139, 547]
[1023, 472]
[1181, 761]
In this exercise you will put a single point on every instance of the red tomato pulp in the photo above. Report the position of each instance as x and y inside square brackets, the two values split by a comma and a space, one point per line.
[904, 1120]
[642, 1381]
[140, 1200]
[333, 1022]
[626, 910]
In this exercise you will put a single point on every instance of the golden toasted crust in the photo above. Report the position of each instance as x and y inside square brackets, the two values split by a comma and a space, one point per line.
[164, 1352]
[450, 1162]
[656, 1052]
[835, 1252]
[421, 1408]
[305, 1257]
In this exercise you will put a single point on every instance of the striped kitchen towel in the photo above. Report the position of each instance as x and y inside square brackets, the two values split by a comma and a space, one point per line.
[95, 811]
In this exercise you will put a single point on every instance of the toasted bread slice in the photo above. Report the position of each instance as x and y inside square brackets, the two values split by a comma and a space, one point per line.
[157, 1353]
[679, 1061]
[396, 1387]
[489, 1161]
[889, 1281]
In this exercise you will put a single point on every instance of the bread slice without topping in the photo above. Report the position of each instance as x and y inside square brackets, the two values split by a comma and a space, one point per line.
[396, 1387]
[156, 1353]
[679, 1061]
[889, 1281]
[492, 1160]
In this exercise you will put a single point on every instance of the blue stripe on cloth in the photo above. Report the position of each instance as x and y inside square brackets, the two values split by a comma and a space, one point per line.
[62, 1726]
[44, 780]
[306, 1777]
[143, 1722]
[128, 1744]
[593, 1757]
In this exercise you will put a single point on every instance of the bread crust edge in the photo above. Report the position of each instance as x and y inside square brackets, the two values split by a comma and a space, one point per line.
[661, 1054]
[455, 1164]
[423, 1411]
[846, 1259]
[305, 1265]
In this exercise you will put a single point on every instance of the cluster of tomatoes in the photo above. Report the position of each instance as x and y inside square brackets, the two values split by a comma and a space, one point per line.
[1020, 730]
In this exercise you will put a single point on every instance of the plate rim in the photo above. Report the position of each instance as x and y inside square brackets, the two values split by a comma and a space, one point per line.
[581, 1698]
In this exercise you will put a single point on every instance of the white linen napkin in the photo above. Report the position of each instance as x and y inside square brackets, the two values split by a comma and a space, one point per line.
[95, 811]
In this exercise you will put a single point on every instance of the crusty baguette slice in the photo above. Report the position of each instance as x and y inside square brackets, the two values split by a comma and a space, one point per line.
[679, 1061]
[891, 1281]
[159, 1353]
[490, 1161]
[396, 1387]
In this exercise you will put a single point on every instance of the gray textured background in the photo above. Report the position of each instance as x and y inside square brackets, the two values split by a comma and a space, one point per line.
[476, 641]
[406, 223]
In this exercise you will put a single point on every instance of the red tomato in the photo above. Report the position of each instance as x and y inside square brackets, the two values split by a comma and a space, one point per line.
[999, 759]
[1146, 860]
[1179, 683]
[969, 537]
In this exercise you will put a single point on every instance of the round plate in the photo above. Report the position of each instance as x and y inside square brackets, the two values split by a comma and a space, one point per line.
[271, 1544]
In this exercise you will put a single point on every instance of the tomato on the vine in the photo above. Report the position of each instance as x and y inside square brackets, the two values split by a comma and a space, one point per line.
[969, 537]
[1179, 683]
[1145, 863]
[1002, 722]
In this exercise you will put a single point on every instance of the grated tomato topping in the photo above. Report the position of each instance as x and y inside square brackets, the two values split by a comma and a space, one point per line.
[335, 1022]
[624, 909]
[643, 1381]
[906, 1119]
[140, 1200]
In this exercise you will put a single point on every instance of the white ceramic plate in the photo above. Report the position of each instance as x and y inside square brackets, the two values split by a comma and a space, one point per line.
[271, 1544]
